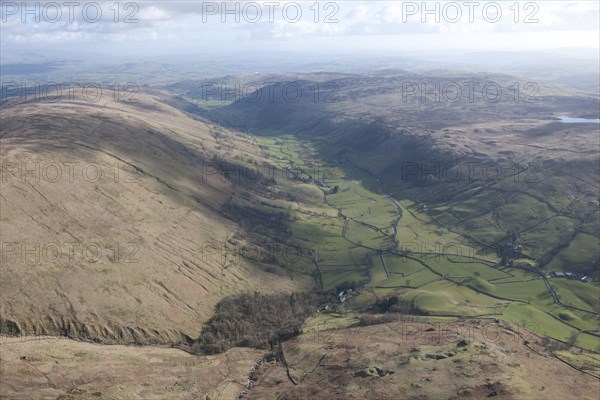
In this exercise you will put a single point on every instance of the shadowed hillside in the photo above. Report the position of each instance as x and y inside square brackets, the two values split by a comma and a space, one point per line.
[113, 221]
[486, 154]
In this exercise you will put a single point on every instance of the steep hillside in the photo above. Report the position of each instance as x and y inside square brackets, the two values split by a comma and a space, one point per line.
[487, 154]
[114, 222]
[138, 223]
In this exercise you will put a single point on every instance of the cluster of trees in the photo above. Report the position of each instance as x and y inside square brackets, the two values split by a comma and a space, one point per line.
[385, 304]
[552, 345]
[349, 285]
[254, 320]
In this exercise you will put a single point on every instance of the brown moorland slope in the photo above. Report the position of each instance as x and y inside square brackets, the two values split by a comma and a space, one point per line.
[402, 360]
[111, 220]
[397, 360]
[60, 368]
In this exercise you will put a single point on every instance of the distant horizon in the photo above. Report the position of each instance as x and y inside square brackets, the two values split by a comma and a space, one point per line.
[7, 57]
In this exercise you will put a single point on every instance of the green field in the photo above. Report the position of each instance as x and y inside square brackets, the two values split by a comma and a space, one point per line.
[580, 253]
[433, 270]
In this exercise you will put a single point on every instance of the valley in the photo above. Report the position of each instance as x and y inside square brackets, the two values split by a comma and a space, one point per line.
[351, 200]
[433, 270]
[204, 211]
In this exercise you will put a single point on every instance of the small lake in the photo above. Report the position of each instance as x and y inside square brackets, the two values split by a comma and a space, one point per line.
[569, 120]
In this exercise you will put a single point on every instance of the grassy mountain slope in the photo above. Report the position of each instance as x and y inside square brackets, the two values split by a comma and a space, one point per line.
[485, 153]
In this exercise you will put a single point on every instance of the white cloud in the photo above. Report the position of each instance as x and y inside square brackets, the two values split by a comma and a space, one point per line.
[152, 13]
[183, 20]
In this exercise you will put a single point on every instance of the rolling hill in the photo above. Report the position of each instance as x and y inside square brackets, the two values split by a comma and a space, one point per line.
[113, 222]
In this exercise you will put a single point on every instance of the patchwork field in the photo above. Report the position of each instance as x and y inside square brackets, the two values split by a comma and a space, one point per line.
[433, 270]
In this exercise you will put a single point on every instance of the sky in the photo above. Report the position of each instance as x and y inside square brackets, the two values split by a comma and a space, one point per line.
[163, 28]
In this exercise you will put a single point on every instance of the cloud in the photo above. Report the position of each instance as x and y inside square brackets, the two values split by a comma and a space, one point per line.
[153, 13]
[189, 21]
[358, 12]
